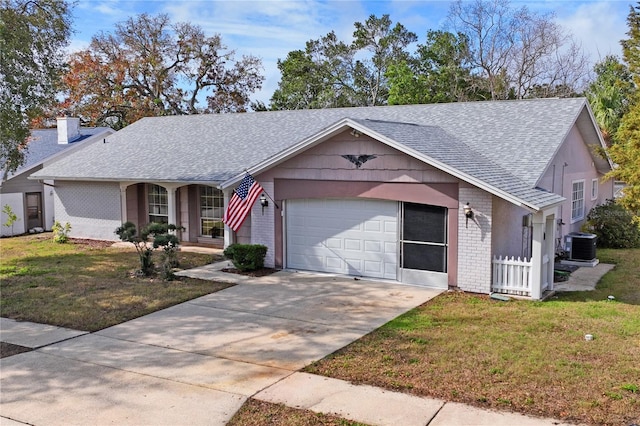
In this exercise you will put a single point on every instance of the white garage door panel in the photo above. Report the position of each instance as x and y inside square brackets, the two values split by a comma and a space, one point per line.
[355, 237]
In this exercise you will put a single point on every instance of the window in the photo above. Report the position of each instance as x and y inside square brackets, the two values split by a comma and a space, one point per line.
[158, 204]
[577, 201]
[594, 189]
[211, 211]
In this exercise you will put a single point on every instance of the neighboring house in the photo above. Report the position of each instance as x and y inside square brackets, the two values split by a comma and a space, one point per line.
[376, 192]
[32, 200]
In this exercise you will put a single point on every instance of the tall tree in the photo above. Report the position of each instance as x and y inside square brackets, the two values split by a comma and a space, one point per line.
[149, 67]
[321, 76]
[387, 45]
[33, 34]
[332, 73]
[519, 53]
[440, 71]
[626, 151]
[610, 94]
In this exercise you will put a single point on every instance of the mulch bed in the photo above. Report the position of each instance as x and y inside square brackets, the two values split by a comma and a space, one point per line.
[262, 272]
[96, 244]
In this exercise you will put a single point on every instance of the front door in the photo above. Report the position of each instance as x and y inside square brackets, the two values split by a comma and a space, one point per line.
[34, 210]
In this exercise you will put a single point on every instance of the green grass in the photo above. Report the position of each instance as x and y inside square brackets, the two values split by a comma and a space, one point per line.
[86, 286]
[529, 357]
[524, 356]
[623, 282]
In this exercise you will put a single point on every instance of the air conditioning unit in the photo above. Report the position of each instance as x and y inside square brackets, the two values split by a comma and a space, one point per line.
[581, 246]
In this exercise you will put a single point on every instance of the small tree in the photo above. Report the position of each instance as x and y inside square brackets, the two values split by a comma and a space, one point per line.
[162, 237]
[169, 243]
[61, 232]
[11, 217]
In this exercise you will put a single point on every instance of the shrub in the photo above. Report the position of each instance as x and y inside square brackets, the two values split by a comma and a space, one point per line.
[162, 237]
[614, 225]
[246, 257]
[61, 232]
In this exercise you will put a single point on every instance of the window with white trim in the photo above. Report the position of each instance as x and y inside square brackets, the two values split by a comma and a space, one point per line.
[594, 189]
[211, 211]
[577, 200]
[158, 204]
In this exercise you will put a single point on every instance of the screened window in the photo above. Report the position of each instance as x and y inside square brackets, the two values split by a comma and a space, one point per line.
[424, 237]
[211, 211]
[158, 204]
[594, 189]
[577, 200]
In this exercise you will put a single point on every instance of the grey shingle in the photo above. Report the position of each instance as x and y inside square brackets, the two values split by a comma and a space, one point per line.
[509, 141]
[44, 145]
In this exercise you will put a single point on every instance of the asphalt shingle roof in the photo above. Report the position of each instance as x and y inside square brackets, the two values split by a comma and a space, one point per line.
[44, 145]
[506, 144]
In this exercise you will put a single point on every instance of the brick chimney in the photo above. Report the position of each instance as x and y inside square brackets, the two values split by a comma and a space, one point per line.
[68, 129]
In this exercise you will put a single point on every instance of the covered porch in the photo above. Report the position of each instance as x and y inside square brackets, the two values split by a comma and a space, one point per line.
[198, 208]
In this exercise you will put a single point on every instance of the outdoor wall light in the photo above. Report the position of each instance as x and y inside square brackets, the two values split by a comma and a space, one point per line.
[263, 202]
[355, 133]
[468, 213]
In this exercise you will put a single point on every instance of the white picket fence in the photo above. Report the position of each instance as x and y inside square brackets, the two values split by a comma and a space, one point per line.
[512, 276]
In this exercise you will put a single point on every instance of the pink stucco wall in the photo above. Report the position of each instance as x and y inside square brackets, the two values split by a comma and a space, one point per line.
[567, 167]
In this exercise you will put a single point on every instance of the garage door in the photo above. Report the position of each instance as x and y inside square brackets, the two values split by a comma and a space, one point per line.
[345, 236]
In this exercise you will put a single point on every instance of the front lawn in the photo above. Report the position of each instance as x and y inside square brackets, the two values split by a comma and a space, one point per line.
[86, 285]
[529, 357]
[523, 356]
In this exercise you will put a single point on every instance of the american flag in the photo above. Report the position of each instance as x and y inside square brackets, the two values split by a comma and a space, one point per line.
[240, 204]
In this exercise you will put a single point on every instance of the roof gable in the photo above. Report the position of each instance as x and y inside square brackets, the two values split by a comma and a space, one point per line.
[435, 147]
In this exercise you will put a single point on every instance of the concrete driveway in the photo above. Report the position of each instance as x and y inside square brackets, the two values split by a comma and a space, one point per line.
[197, 362]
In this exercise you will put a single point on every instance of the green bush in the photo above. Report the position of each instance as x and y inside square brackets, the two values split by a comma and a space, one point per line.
[614, 225]
[61, 232]
[246, 257]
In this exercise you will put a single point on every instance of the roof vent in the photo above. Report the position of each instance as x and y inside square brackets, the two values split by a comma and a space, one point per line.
[68, 129]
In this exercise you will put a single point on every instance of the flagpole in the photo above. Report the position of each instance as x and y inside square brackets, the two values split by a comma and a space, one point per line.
[274, 201]
[263, 191]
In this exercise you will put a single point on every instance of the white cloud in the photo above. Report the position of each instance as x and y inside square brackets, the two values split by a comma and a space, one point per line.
[599, 26]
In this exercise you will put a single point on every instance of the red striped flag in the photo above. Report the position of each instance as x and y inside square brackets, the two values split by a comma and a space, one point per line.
[240, 204]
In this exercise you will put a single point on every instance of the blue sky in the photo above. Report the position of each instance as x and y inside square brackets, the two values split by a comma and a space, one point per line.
[270, 29]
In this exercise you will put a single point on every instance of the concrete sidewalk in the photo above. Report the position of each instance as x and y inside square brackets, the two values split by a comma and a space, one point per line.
[157, 378]
[198, 362]
[376, 406]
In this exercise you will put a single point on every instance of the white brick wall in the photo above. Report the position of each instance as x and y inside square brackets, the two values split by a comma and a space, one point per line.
[263, 226]
[474, 241]
[92, 208]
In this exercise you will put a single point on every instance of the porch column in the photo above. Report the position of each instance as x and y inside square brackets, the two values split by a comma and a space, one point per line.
[123, 201]
[550, 233]
[171, 200]
[537, 251]
[228, 237]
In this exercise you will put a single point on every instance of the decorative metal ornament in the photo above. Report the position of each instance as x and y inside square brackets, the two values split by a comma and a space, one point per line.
[359, 160]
